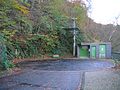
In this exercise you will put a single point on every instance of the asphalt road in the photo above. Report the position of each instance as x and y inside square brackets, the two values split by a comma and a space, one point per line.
[53, 75]
[67, 65]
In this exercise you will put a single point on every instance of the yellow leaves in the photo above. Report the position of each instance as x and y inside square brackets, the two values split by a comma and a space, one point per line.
[9, 33]
[1, 1]
[21, 8]
[15, 5]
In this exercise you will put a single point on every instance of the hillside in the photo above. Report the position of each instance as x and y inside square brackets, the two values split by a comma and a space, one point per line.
[36, 28]
[98, 32]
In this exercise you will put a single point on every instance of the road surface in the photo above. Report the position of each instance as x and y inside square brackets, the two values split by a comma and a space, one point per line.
[54, 75]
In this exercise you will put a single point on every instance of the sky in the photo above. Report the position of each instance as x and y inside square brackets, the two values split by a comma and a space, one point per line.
[105, 11]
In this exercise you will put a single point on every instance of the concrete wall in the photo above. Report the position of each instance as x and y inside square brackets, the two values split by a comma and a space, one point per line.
[108, 50]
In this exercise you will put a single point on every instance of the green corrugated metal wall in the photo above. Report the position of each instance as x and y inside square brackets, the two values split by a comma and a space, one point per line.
[84, 52]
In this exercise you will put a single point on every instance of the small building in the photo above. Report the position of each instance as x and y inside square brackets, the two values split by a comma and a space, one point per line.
[101, 50]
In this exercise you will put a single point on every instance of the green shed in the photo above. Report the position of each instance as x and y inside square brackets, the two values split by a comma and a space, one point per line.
[94, 50]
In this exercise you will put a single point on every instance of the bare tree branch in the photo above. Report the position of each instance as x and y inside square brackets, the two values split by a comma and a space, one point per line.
[116, 23]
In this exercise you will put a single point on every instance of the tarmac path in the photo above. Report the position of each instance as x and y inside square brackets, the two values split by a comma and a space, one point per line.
[56, 75]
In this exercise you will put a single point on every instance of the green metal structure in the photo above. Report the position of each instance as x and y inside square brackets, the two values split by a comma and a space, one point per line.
[93, 52]
[96, 50]
[102, 51]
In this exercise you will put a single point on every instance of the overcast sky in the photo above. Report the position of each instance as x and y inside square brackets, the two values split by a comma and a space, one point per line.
[105, 11]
